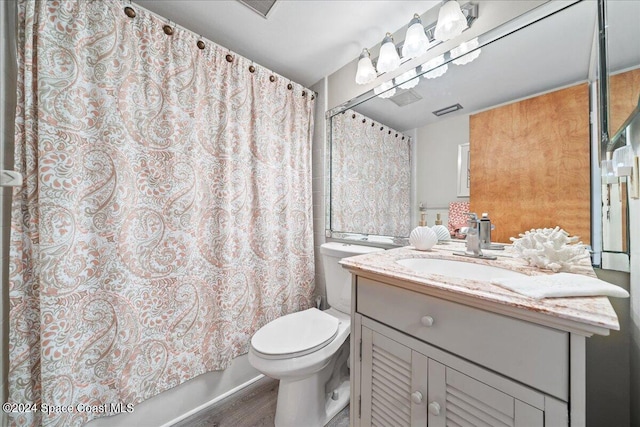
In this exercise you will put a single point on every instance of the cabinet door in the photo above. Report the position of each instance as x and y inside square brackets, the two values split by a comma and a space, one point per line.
[394, 383]
[456, 399]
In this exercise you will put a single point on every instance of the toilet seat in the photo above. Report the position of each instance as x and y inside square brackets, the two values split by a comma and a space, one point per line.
[295, 334]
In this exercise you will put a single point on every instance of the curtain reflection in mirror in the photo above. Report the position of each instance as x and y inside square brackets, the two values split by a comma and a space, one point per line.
[370, 177]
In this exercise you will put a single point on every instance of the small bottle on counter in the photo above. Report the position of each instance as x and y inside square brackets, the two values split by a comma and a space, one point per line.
[423, 214]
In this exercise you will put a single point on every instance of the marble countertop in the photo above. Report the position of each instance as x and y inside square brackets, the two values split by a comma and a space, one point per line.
[595, 311]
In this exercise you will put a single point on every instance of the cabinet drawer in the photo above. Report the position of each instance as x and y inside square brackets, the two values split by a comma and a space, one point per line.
[533, 354]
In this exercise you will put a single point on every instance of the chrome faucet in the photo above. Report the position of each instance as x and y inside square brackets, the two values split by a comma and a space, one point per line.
[484, 230]
[474, 246]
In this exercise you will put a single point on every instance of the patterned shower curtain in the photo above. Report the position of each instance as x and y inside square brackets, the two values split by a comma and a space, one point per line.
[166, 212]
[370, 177]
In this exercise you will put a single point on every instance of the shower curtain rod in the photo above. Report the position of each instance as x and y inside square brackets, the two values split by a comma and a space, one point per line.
[373, 123]
[172, 25]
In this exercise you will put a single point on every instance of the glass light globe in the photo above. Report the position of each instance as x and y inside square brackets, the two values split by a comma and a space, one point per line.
[462, 49]
[407, 80]
[366, 73]
[436, 67]
[451, 22]
[383, 90]
[416, 41]
[623, 161]
[389, 59]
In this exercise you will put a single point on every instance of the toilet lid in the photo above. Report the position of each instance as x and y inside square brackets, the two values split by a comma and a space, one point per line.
[296, 334]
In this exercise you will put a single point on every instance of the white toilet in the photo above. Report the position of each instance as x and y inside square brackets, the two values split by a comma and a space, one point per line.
[308, 350]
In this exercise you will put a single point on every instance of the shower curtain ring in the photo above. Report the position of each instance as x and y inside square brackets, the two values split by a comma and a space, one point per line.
[168, 29]
[129, 11]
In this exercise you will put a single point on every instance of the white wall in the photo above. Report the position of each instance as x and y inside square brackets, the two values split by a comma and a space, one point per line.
[318, 173]
[437, 163]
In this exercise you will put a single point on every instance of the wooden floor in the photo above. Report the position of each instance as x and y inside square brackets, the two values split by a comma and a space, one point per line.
[254, 406]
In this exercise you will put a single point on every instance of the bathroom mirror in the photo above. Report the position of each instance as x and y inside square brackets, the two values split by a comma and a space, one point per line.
[537, 53]
[623, 97]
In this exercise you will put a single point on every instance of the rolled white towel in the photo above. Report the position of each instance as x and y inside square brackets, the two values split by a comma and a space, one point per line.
[560, 285]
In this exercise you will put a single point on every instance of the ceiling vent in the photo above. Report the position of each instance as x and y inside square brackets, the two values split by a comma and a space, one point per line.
[261, 7]
[447, 110]
[405, 97]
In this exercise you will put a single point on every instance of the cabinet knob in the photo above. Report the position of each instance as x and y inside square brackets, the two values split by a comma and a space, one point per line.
[426, 321]
[434, 408]
[416, 397]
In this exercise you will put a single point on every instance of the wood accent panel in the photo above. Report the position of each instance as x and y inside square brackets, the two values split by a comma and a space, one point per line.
[624, 92]
[530, 164]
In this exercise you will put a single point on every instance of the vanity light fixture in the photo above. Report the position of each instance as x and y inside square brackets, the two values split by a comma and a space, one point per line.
[460, 52]
[383, 90]
[408, 80]
[451, 21]
[366, 73]
[623, 161]
[607, 172]
[436, 66]
[416, 41]
[389, 59]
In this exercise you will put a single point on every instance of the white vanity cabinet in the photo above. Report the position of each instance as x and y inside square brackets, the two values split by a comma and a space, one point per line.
[421, 360]
[400, 385]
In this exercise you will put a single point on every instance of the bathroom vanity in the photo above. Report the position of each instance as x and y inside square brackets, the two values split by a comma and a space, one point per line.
[453, 349]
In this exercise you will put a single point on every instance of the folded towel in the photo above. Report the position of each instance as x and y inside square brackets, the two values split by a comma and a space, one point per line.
[560, 285]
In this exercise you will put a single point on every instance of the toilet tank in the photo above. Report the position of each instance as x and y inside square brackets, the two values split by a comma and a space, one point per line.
[338, 279]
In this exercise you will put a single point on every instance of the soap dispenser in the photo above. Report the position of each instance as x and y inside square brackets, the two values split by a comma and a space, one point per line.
[423, 214]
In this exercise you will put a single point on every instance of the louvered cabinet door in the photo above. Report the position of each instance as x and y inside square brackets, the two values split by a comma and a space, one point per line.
[394, 383]
[458, 400]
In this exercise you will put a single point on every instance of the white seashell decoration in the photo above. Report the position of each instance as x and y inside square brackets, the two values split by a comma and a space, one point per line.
[423, 238]
[550, 248]
[442, 232]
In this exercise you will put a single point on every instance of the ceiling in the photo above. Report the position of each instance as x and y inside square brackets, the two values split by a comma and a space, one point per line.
[303, 40]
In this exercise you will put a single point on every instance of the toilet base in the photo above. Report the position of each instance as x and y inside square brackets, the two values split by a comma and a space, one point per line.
[315, 409]
[313, 401]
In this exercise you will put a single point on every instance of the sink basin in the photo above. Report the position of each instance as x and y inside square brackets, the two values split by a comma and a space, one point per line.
[459, 269]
